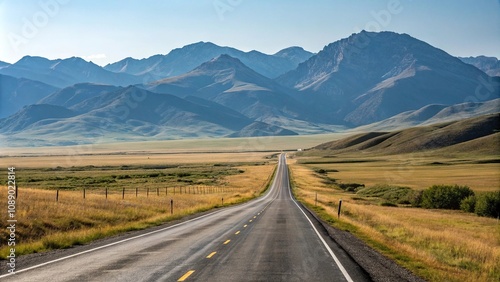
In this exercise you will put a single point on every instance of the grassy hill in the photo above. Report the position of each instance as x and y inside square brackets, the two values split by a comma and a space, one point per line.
[479, 134]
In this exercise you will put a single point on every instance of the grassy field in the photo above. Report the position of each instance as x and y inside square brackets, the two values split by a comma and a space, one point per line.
[437, 245]
[417, 171]
[44, 224]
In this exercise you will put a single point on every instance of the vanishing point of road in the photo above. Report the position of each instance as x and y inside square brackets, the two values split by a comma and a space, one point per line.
[271, 238]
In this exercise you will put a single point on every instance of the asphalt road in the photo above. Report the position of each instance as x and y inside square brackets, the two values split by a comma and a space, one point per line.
[268, 239]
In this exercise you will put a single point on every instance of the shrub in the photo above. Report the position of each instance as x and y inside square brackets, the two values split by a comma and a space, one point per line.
[391, 193]
[488, 204]
[415, 198]
[468, 204]
[350, 187]
[445, 196]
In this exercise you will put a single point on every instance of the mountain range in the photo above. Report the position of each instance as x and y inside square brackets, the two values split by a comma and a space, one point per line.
[490, 65]
[182, 60]
[369, 80]
[66, 72]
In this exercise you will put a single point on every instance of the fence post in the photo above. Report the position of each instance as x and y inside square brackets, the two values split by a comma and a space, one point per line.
[16, 191]
[57, 195]
[340, 205]
[222, 200]
[123, 193]
[147, 192]
[84, 193]
[171, 206]
[106, 193]
[136, 191]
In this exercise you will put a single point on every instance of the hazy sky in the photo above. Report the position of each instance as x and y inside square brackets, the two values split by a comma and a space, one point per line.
[109, 30]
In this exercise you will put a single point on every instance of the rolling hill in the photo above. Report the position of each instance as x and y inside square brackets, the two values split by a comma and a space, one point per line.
[432, 114]
[127, 113]
[467, 133]
[259, 128]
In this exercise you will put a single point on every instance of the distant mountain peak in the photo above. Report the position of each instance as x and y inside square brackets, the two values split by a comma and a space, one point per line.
[222, 62]
[490, 65]
[32, 60]
[295, 54]
[197, 46]
[225, 58]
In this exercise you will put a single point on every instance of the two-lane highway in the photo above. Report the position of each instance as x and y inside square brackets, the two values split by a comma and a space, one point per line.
[268, 239]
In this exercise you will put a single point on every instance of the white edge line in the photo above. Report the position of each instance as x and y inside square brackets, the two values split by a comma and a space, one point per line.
[337, 261]
[105, 246]
[138, 236]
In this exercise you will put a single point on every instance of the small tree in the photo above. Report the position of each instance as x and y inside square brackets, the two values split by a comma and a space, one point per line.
[488, 204]
[445, 196]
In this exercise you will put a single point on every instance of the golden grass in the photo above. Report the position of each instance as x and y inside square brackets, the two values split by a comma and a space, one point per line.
[44, 224]
[435, 244]
[414, 171]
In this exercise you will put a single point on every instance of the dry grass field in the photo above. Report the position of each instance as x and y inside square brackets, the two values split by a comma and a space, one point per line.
[438, 245]
[417, 171]
[195, 183]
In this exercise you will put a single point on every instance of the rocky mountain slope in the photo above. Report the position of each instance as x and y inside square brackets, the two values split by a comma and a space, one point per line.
[370, 76]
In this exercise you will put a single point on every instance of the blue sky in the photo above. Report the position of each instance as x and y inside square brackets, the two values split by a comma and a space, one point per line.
[109, 30]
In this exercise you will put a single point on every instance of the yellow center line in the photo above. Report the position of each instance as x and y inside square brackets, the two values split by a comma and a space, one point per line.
[211, 254]
[244, 226]
[250, 220]
[254, 217]
[227, 241]
[238, 232]
[185, 276]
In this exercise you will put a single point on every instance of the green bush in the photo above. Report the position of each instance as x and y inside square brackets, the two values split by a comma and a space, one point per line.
[468, 204]
[488, 204]
[445, 196]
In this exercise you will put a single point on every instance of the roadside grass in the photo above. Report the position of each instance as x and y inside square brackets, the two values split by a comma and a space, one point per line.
[438, 245]
[44, 224]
